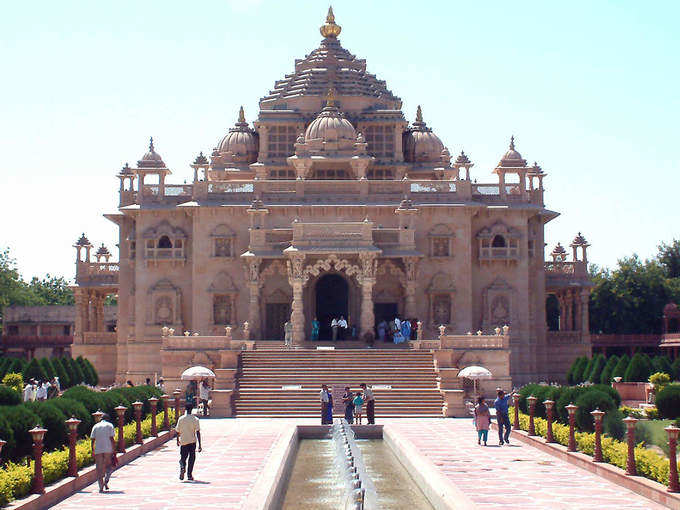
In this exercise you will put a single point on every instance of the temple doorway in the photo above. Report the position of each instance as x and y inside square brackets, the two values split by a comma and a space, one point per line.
[385, 311]
[332, 300]
[276, 315]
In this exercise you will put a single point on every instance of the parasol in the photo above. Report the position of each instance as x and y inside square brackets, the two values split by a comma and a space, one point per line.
[197, 373]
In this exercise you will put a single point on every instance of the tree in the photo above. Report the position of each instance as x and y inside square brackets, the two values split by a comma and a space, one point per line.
[62, 374]
[93, 372]
[599, 362]
[89, 376]
[638, 370]
[586, 370]
[621, 367]
[608, 370]
[580, 370]
[572, 369]
[76, 373]
[669, 258]
[51, 290]
[47, 366]
[662, 364]
[34, 370]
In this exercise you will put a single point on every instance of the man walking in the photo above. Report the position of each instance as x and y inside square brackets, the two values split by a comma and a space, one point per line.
[370, 403]
[204, 394]
[188, 431]
[502, 418]
[103, 448]
[325, 401]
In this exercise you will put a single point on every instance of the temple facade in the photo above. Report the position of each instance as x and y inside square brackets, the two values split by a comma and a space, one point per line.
[331, 203]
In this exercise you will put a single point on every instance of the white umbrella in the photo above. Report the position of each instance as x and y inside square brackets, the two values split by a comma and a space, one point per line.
[475, 373]
[195, 373]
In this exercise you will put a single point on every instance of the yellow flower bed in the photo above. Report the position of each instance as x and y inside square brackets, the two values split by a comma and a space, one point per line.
[16, 479]
[648, 463]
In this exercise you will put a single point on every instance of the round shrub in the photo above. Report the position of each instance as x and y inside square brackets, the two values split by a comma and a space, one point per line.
[93, 371]
[568, 396]
[48, 368]
[675, 369]
[90, 399]
[575, 366]
[586, 370]
[14, 381]
[75, 409]
[34, 370]
[589, 401]
[662, 364]
[668, 402]
[606, 388]
[527, 391]
[9, 396]
[6, 434]
[608, 370]
[21, 420]
[613, 424]
[638, 370]
[621, 367]
[596, 370]
[17, 366]
[53, 420]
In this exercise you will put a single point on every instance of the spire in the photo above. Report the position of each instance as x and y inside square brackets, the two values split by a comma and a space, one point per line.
[330, 97]
[419, 114]
[330, 29]
[241, 115]
[151, 149]
[512, 143]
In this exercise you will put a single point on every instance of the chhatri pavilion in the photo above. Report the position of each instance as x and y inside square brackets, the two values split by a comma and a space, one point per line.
[331, 203]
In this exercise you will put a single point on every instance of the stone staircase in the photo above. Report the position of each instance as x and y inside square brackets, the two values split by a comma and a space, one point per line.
[287, 382]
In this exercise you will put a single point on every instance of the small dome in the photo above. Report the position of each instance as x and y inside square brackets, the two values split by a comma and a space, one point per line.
[240, 141]
[126, 170]
[83, 241]
[201, 160]
[103, 250]
[462, 159]
[579, 240]
[420, 143]
[559, 250]
[151, 159]
[512, 158]
[330, 125]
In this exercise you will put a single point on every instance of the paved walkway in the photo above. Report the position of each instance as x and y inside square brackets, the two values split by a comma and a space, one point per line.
[234, 454]
[512, 477]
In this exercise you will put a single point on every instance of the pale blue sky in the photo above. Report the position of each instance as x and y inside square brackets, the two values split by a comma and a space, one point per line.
[589, 89]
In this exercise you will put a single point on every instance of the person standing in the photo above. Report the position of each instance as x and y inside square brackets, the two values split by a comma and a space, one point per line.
[347, 399]
[324, 400]
[502, 418]
[204, 395]
[188, 431]
[190, 394]
[288, 334]
[358, 407]
[406, 330]
[41, 392]
[334, 328]
[342, 325]
[482, 420]
[382, 330]
[103, 447]
[28, 391]
[370, 403]
[315, 330]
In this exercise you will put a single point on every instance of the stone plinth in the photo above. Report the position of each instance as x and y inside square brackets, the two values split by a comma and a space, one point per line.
[221, 405]
[454, 403]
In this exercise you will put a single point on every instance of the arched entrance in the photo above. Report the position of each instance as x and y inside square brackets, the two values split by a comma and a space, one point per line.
[332, 300]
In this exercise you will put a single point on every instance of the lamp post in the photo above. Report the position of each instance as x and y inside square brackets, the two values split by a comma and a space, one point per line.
[166, 419]
[138, 421]
[153, 402]
[2, 443]
[120, 411]
[549, 406]
[532, 409]
[515, 402]
[630, 422]
[673, 485]
[597, 416]
[72, 424]
[571, 409]
[38, 433]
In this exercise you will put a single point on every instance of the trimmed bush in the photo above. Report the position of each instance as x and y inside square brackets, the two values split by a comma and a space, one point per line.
[76, 373]
[6, 434]
[64, 379]
[675, 369]
[606, 388]
[14, 381]
[621, 367]
[34, 370]
[586, 370]
[21, 420]
[9, 397]
[599, 362]
[572, 370]
[668, 402]
[92, 401]
[662, 364]
[93, 372]
[53, 420]
[589, 401]
[48, 368]
[638, 370]
[526, 391]
[73, 408]
[606, 375]
[613, 424]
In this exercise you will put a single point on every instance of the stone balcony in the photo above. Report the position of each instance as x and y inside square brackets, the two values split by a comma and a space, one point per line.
[90, 274]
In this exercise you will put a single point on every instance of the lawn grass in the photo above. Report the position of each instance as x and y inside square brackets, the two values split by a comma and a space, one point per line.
[652, 433]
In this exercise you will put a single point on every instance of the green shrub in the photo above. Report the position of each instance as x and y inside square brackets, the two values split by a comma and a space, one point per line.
[652, 413]
[14, 381]
[92, 400]
[613, 425]
[668, 402]
[659, 380]
[606, 388]
[53, 420]
[21, 420]
[662, 364]
[73, 408]
[575, 366]
[34, 370]
[4, 364]
[64, 380]
[589, 401]
[48, 368]
[7, 435]
[621, 367]
[675, 369]
[77, 376]
[587, 369]
[93, 372]
[577, 375]
[606, 375]
[526, 391]
[599, 362]
[9, 396]
[638, 370]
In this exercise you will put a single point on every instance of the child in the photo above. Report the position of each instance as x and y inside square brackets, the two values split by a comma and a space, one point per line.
[482, 420]
[358, 403]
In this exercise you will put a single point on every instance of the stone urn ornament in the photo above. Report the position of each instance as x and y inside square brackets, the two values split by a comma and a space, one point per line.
[442, 330]
[506, 328]
[227, 332]
[165, 330]
[497, 330]
[186, 333]
[479, 332]
[171, 331]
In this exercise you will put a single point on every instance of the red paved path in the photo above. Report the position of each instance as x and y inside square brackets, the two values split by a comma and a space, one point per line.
[512, 477]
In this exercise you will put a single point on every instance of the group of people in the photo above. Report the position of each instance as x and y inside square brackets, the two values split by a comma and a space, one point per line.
[41, 390]
[482, 418]
[397, 330]
[353, 402]
[198, 395]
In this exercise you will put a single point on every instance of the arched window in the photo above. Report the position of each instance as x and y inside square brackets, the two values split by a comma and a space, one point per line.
[498, 241]
[164, 242]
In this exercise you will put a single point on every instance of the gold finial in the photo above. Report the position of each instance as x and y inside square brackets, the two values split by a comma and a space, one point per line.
[330, 97]
[241, 115]
[330, 29]
[419, 114]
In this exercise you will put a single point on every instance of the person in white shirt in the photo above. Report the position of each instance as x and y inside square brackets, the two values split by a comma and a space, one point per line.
[342, 324]
[34, 391]
[325, 401]
[56, 384]
[334, 328]
[28, 391]
[370, 403]
[41, 392]
[188, 431]
[104, 448]
[204, 396]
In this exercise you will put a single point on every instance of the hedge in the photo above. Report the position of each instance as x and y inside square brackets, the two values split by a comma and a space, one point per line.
[599, 363]
[621, 367]
[9, 396]
[608, 370]
[16, 478]
[638, 370]
[668, 401]
[648, 463]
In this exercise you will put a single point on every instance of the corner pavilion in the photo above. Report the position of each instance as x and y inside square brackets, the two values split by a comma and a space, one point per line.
[330, 203]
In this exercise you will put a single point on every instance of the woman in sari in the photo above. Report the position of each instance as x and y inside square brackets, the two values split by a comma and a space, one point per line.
[315, 330]
[406, 330]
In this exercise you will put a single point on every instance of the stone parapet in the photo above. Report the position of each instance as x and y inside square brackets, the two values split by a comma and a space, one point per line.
[222, 403]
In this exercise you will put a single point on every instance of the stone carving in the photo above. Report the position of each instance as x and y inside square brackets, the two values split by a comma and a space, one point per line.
[163, 312]
[295, 265]
[389, 267]
[441, 309]
[332, 262]
[275, 267]
[253, 270]
[500, 309]
[497, 308]
[411, 266]
[369, 264]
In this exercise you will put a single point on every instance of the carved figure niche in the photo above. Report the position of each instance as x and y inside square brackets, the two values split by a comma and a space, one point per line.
[441, 292]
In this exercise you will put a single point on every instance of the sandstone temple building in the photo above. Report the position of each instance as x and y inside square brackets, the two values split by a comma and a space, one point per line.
[331, 203]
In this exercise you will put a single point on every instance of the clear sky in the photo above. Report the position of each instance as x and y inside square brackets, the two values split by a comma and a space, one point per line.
[589, 89]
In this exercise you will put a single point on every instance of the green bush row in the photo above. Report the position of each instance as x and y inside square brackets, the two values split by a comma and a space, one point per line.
[648, 463]
[70, 372]
[599, 369]
[78, 401]
[16, 478]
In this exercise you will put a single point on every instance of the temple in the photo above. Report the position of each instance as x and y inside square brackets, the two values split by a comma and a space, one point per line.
[331, 203]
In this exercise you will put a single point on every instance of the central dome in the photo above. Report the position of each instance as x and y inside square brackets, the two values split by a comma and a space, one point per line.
[330, 125]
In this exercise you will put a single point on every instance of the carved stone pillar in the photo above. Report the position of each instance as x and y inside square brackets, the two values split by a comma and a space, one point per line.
[411, 270]
[80, 315]
[253, 279]
[297, 282]
[585, 312]
[99, 311]
[367, 280]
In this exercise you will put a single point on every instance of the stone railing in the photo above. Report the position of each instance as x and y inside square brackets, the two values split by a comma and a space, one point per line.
[101, 273]
[502, 253]
[565, 337]
[99, 337]
[28, 341]
[475, 341]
